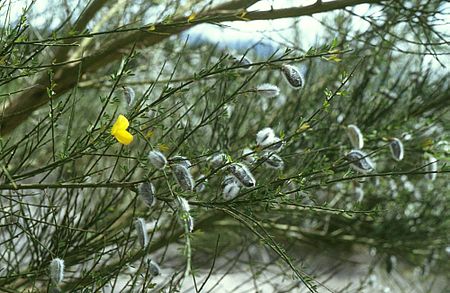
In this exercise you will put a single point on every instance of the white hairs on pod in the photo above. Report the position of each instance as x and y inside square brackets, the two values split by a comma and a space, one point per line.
[129, 95]
[147, 193]
[201, 183]
[396, 147]
[242, 61]
[243, 174]
[218, 160]
[265, 136]
[157, 159]
[355, 136]
[57, 271]
[360, 161]
[431, 167]
[153, 267]
[292, 76]
[181, 161]
[268, 90]
[183, 177]
[249, 156]
[141, 229]
[273, 161]
[230, 191]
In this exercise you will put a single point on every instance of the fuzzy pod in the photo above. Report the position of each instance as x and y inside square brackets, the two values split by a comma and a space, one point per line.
[218, 160]
[230, 191]
[151, 114]
[181, 161]
[268, 90]
[183, 177]
[249, 156]
[359, 194]
[141, 229]
[201, 183]
[243, 61]
[129, 95]
[432, 167]
[396, 147]
[359, 161]
[265, 136]
[147, 192]
[273, 161]
[183, 204]
[292, 76]
[190, 223]
[157, 159]
[243, 174]
[57, 271]
[153, 268]
[274, 145]
[355, 136]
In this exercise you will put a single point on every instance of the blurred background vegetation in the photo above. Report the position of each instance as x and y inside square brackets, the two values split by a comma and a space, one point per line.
[70, 190]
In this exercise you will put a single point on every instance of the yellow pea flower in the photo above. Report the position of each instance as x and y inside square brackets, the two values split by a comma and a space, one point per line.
[119, 130]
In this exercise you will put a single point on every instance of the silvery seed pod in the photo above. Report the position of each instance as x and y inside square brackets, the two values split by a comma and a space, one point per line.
[147, 193]
[268, 90]
[273, 161]
[183, 204]
[151, 114]
[201, 184]
[359, 194]
[292, 76]
[141, 232]
[243, 174]
[274, 145]
[218, 160]
[183, 177]
[57, 271]
[359, 161]
[242, 61]
[355, 136]
[129, 95]
[230, 179]
[265, 136]
[249, 156]
[230, 191]
[190, 223]
[396, 147]
[153, 268]
[182, 161]
[157, 159]
[431, 167]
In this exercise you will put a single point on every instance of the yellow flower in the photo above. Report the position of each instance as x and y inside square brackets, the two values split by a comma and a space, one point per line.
[119, 130]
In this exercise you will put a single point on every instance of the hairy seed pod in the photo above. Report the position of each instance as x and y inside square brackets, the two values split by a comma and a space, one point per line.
[249, 156]
[274, 145]
[147, 193]
[360, 161]
[153, 268]
[268, 90]
[201, 183]
[243, 174]
[141, 232]
[431, 167]
[355, 136]
[183, 204]
[218, 160]
[230, 191]
[151, 114]
[181, 161]
[190, 223]
[129, 95]
[396, 147]
[273, 161]
[292, 76]
[57, 271]
[230, 179]
[359, 194]
[157, 159]
[265, 137]
[242, 61]
[183, 177]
